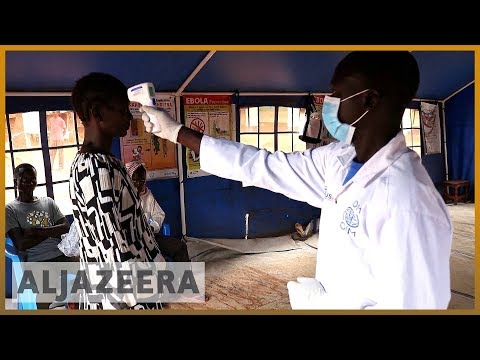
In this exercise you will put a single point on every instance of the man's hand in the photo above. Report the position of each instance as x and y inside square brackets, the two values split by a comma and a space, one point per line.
[154, 225]
[160, 123]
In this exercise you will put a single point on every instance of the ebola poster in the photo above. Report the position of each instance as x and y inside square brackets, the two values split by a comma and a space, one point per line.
[430, 120]
[211, 115]
[158, 155]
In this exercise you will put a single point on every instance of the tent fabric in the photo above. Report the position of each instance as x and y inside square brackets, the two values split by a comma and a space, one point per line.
[442, 72]
[460, 130]
[286, 73]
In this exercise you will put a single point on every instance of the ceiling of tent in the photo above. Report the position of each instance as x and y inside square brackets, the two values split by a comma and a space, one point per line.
[442, 72]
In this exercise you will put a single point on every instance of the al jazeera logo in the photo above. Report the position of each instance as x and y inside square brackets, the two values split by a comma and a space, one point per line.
[151, 282]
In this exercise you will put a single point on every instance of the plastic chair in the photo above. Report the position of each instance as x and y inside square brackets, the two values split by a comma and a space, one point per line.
[166, 230]
[8, 271]
[27, 299]
[9, 241]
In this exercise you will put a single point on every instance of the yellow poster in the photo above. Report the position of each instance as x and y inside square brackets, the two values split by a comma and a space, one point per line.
[158, 155]
[211, 115]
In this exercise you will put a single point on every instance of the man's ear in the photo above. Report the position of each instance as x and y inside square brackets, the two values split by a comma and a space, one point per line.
[372, 99]
[95, 111]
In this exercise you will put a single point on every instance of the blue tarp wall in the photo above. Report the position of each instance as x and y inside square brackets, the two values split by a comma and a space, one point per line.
[460, 129]
[216, 207]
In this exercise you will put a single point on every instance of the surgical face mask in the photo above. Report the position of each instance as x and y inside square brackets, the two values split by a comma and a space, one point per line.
[340, 131]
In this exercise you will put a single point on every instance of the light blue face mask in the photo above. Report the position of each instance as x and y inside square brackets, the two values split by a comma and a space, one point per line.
[340, 131]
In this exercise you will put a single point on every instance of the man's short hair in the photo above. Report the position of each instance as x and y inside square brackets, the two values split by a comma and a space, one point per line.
[23, 166]
[394, 74]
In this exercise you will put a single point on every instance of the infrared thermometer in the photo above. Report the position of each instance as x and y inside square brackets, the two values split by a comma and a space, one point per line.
[142, 93]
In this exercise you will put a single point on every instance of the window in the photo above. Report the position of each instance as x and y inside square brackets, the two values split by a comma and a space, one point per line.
[272, 127]
[50, 149]
[411, 130]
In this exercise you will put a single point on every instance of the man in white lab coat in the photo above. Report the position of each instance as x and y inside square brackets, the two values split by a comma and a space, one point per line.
[385, 233]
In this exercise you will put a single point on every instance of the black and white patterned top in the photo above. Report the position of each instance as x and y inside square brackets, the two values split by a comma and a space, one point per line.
[108, 213]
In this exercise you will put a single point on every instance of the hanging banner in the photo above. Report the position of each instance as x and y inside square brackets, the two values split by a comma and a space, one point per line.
[316, 122]
[211, 115]
[430, 120]
[158, 155]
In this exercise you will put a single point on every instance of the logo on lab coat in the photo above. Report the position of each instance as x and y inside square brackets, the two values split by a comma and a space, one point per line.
[350, 217]
[350, 220]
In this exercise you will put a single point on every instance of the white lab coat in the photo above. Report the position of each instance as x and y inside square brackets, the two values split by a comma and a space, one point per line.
[385, 236]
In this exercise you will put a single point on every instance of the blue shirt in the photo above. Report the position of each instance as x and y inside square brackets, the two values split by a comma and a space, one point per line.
[354, 167]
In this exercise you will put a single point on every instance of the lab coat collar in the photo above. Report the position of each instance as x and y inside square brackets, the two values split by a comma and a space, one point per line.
[347, 154]
[378, 162]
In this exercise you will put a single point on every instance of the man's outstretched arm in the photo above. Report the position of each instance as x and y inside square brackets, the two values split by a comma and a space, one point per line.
[299, 176]
[190, 138]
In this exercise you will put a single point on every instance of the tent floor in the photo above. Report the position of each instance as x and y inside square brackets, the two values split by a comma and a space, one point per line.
[239, 281]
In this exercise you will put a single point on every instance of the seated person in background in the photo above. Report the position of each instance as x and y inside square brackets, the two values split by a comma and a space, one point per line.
[35, 224]
[169, 246]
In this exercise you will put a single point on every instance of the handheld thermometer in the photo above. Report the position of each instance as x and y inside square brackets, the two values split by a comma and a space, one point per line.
[142, 93]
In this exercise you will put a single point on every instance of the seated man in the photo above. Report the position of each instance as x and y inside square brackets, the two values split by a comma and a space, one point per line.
[169, 246]
[35, 224]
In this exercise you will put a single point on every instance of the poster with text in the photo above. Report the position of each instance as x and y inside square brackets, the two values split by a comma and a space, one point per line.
[211, 115]
[316, 125]
[158, 155]
[430, 120]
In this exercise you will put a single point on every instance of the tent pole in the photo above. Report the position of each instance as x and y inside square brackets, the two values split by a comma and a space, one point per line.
[180, 170]
[195, 72]
[456, 92]
[445, 140]
[444, 126]
[181, 178]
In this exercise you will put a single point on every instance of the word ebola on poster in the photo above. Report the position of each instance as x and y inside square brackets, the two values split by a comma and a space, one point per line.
[158, 155]
[210, 115]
